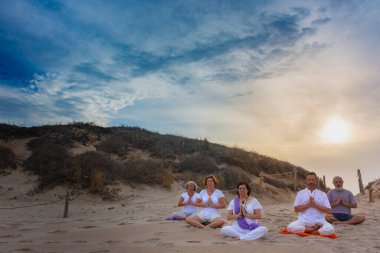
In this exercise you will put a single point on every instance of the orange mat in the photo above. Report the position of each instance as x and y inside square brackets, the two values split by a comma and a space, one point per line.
[303, 234]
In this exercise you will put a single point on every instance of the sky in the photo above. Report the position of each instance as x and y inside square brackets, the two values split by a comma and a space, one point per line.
[294, 80]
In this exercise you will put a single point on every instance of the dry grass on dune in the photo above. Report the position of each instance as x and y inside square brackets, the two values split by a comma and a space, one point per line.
[133, 155]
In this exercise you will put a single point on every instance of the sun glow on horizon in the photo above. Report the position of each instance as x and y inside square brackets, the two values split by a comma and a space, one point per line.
[335, 130]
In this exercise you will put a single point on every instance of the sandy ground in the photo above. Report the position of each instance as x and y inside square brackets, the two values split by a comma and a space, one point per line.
[126, 226]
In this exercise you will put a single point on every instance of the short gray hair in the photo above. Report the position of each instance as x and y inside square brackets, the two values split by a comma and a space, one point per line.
[193, 183]
[337, 177]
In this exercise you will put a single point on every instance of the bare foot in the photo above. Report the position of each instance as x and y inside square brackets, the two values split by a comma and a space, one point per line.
[313, 229]
[236, 238]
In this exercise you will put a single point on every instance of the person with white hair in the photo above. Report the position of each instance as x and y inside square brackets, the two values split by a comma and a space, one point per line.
[187, 201]
[342, 201]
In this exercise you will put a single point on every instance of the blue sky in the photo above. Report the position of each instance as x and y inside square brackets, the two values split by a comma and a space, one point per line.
[262, 75]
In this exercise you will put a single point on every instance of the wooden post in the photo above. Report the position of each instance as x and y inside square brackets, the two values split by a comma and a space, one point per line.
[370, 194]
[324, 183]
[66, 211]
[295, 179]
[361, 187]
[318, 183]
[261, 175]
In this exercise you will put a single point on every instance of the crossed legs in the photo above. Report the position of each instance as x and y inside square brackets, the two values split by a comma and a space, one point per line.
[323, 228]
[356, 219]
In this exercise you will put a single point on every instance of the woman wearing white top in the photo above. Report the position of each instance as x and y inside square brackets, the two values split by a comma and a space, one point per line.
[211, 200]
[187, 200]
[246, 212]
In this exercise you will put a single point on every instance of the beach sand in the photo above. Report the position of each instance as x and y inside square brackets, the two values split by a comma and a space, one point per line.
[127, 226]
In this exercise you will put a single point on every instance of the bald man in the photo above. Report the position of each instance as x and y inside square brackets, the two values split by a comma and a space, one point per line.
[341, 201]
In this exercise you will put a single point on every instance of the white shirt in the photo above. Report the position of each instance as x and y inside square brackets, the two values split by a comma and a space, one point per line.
[250, 207]
[312, 214]
[215, 196]
[189, 208]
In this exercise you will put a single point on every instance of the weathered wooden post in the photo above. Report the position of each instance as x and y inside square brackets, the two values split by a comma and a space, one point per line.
[324, 183]
[261, 184]
[361, 187]
[370, 195]
[295, 179]
[66, 211]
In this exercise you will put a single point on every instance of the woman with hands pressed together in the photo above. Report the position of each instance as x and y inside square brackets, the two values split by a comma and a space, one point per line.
[187, 201]
[245, 211]
[211, 200]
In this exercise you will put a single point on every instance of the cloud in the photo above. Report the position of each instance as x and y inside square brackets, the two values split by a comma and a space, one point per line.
[259, 74]
[100, 63]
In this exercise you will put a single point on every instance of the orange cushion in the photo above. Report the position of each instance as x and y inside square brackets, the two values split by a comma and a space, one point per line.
[285, 231]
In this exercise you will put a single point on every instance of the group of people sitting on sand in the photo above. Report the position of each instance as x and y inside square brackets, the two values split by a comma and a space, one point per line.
[317, 211]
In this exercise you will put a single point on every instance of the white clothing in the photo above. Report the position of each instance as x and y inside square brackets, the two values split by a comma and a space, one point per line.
[209, 213]
[250, 207]
[299, 227]
[207, 217]
[311, 214]
[189, 209]
[245, 234]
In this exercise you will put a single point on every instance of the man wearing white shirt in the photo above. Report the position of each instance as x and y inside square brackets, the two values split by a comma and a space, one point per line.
[311, 205]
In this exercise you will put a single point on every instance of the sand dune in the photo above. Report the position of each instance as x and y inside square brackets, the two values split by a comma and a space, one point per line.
[126, 226]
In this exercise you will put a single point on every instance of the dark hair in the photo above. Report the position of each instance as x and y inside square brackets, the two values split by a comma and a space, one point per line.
[246, 185]
[311, 173]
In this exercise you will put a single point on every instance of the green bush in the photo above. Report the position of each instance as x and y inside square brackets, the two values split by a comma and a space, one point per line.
[151, 172]
[115, 144]
[229, 177]
[50, 160]
[198, 163]
[7, 158]
[87, 168]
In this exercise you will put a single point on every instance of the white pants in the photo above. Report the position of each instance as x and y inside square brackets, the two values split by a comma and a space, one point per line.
[299, 227]
[243, 234]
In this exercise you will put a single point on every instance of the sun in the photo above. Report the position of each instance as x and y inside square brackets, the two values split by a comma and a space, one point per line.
[335, 130]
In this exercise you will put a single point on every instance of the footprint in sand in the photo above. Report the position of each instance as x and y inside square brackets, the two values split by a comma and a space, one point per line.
[169, 245]
[81, 241]
[160, 233]
[24, 250]
[111, 241]
[58, 231]
[153, 239]
[28, 229]
[100, 251]
[193, 241]
[52, 242]
[10, 236]
[89, 227]
[220, 243]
